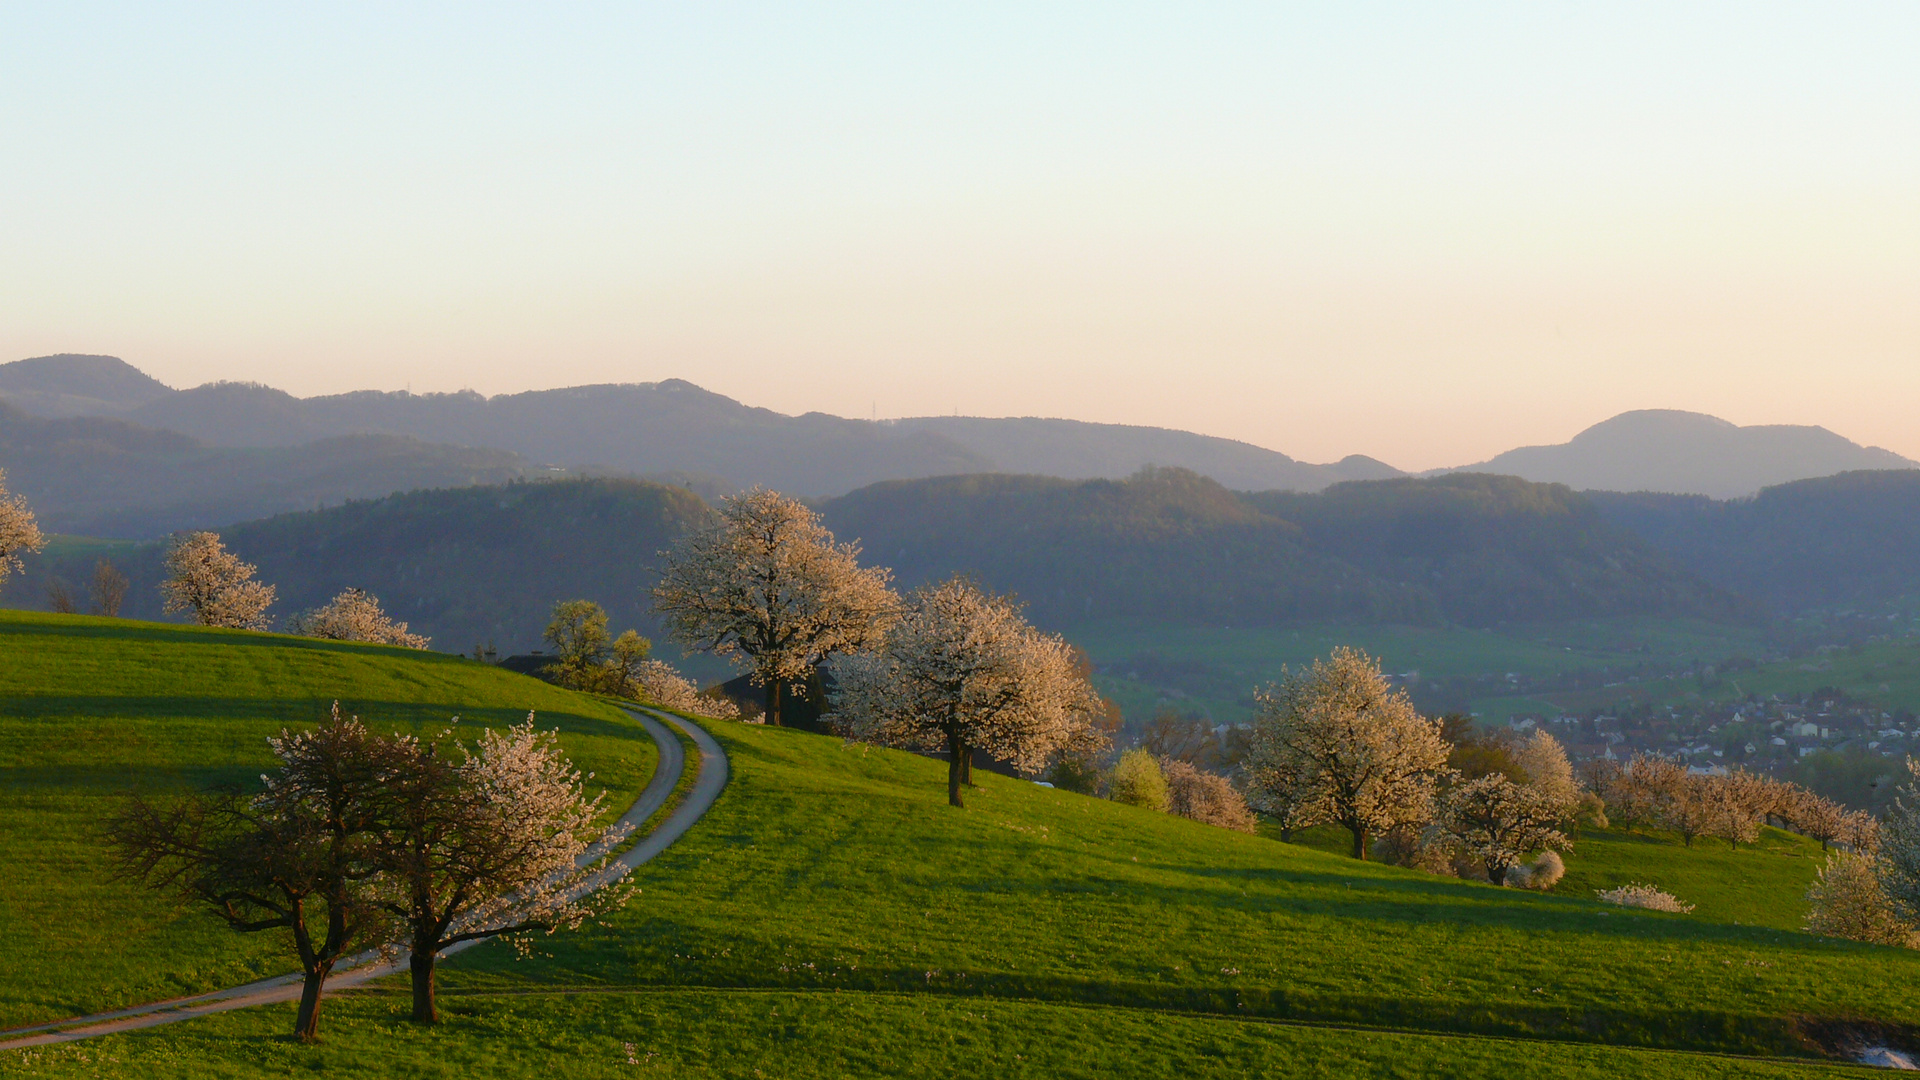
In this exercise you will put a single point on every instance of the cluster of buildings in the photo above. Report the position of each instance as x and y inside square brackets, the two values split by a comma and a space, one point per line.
[1758, 732]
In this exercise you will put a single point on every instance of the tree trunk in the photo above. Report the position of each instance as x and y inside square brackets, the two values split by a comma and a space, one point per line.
[954, 750]
[773, 702]
[424, 1009]
[966, 766]
[306, 1023]
[1359, 841]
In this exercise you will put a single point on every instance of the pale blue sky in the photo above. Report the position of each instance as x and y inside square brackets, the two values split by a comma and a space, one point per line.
[1423, 232]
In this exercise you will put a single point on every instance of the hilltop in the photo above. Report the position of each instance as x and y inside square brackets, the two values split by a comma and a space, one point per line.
[1666, 450]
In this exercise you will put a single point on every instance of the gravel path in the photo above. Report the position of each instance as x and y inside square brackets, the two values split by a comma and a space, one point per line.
[707, 785]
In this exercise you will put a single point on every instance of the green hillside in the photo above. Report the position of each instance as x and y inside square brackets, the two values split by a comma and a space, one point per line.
[832, 916]
[93, 708]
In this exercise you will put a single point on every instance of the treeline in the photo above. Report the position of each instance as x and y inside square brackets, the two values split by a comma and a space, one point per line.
[1846, 540]
[1169, 544]
[465, 566]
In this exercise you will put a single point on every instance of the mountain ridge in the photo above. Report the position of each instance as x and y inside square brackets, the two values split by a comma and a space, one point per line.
[676, 427]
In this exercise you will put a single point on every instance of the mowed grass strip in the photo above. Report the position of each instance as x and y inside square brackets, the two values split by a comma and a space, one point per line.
[829, 865]
[822, 1034]
[92, 709]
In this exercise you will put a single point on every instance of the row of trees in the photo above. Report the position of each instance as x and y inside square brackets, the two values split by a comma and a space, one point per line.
[217, 588]
[1731, 806]
[368, 841]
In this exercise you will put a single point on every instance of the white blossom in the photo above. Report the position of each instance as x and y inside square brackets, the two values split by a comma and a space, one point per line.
[768, 583]
[354, 616]
[962, 671]
[18, 530]
[214, 584]
[1337, 744]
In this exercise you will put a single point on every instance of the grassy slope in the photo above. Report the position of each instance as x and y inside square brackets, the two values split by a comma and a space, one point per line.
[832, 866]
[91, 708]
[1031, 933]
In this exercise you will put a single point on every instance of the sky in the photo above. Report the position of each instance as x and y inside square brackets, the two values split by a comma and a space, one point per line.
[1422, 232]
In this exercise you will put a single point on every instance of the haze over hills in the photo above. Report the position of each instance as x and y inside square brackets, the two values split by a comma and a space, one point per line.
[1686, 453]
[103, 477]
[671, 426]
[675, 427]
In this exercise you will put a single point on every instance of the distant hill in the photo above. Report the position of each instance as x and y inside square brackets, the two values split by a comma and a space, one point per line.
[74, 385]
[1075, 450]
[1664, 450]
[665, 427]
[1168, 544]
[464, 566]
[112, 478]
[1851, 540]
[487, 563]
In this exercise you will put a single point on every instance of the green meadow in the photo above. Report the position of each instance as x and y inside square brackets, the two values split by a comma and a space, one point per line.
[92, 709]
[832, 916]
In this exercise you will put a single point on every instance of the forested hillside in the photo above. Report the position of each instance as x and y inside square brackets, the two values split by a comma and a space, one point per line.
[1170, 544]
[1838, 541]
[464, 566]
[485, 563]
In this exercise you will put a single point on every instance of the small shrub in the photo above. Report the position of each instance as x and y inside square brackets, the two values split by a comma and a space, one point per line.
[1591, 811]
[1077, 775]
[1636, 895]
[1138, 781]
[1848, 901]
[1410, 847]
[1544, 873]
[1205, 797]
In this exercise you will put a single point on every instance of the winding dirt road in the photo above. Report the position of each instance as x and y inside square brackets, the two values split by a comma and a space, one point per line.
[707, 785]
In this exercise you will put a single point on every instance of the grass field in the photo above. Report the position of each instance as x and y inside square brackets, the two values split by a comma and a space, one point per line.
[832, 916]
[832, 866]
[820, 1035]
[94, 708]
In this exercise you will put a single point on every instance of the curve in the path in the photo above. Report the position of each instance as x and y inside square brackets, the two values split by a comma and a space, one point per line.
[707, 786]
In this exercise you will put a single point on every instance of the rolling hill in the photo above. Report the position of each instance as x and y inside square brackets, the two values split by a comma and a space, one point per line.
[462, 565]
[486, 563]
[92, 709]
[1851, 540]
[1170, 545]
[831, 916]
[1665, 450]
